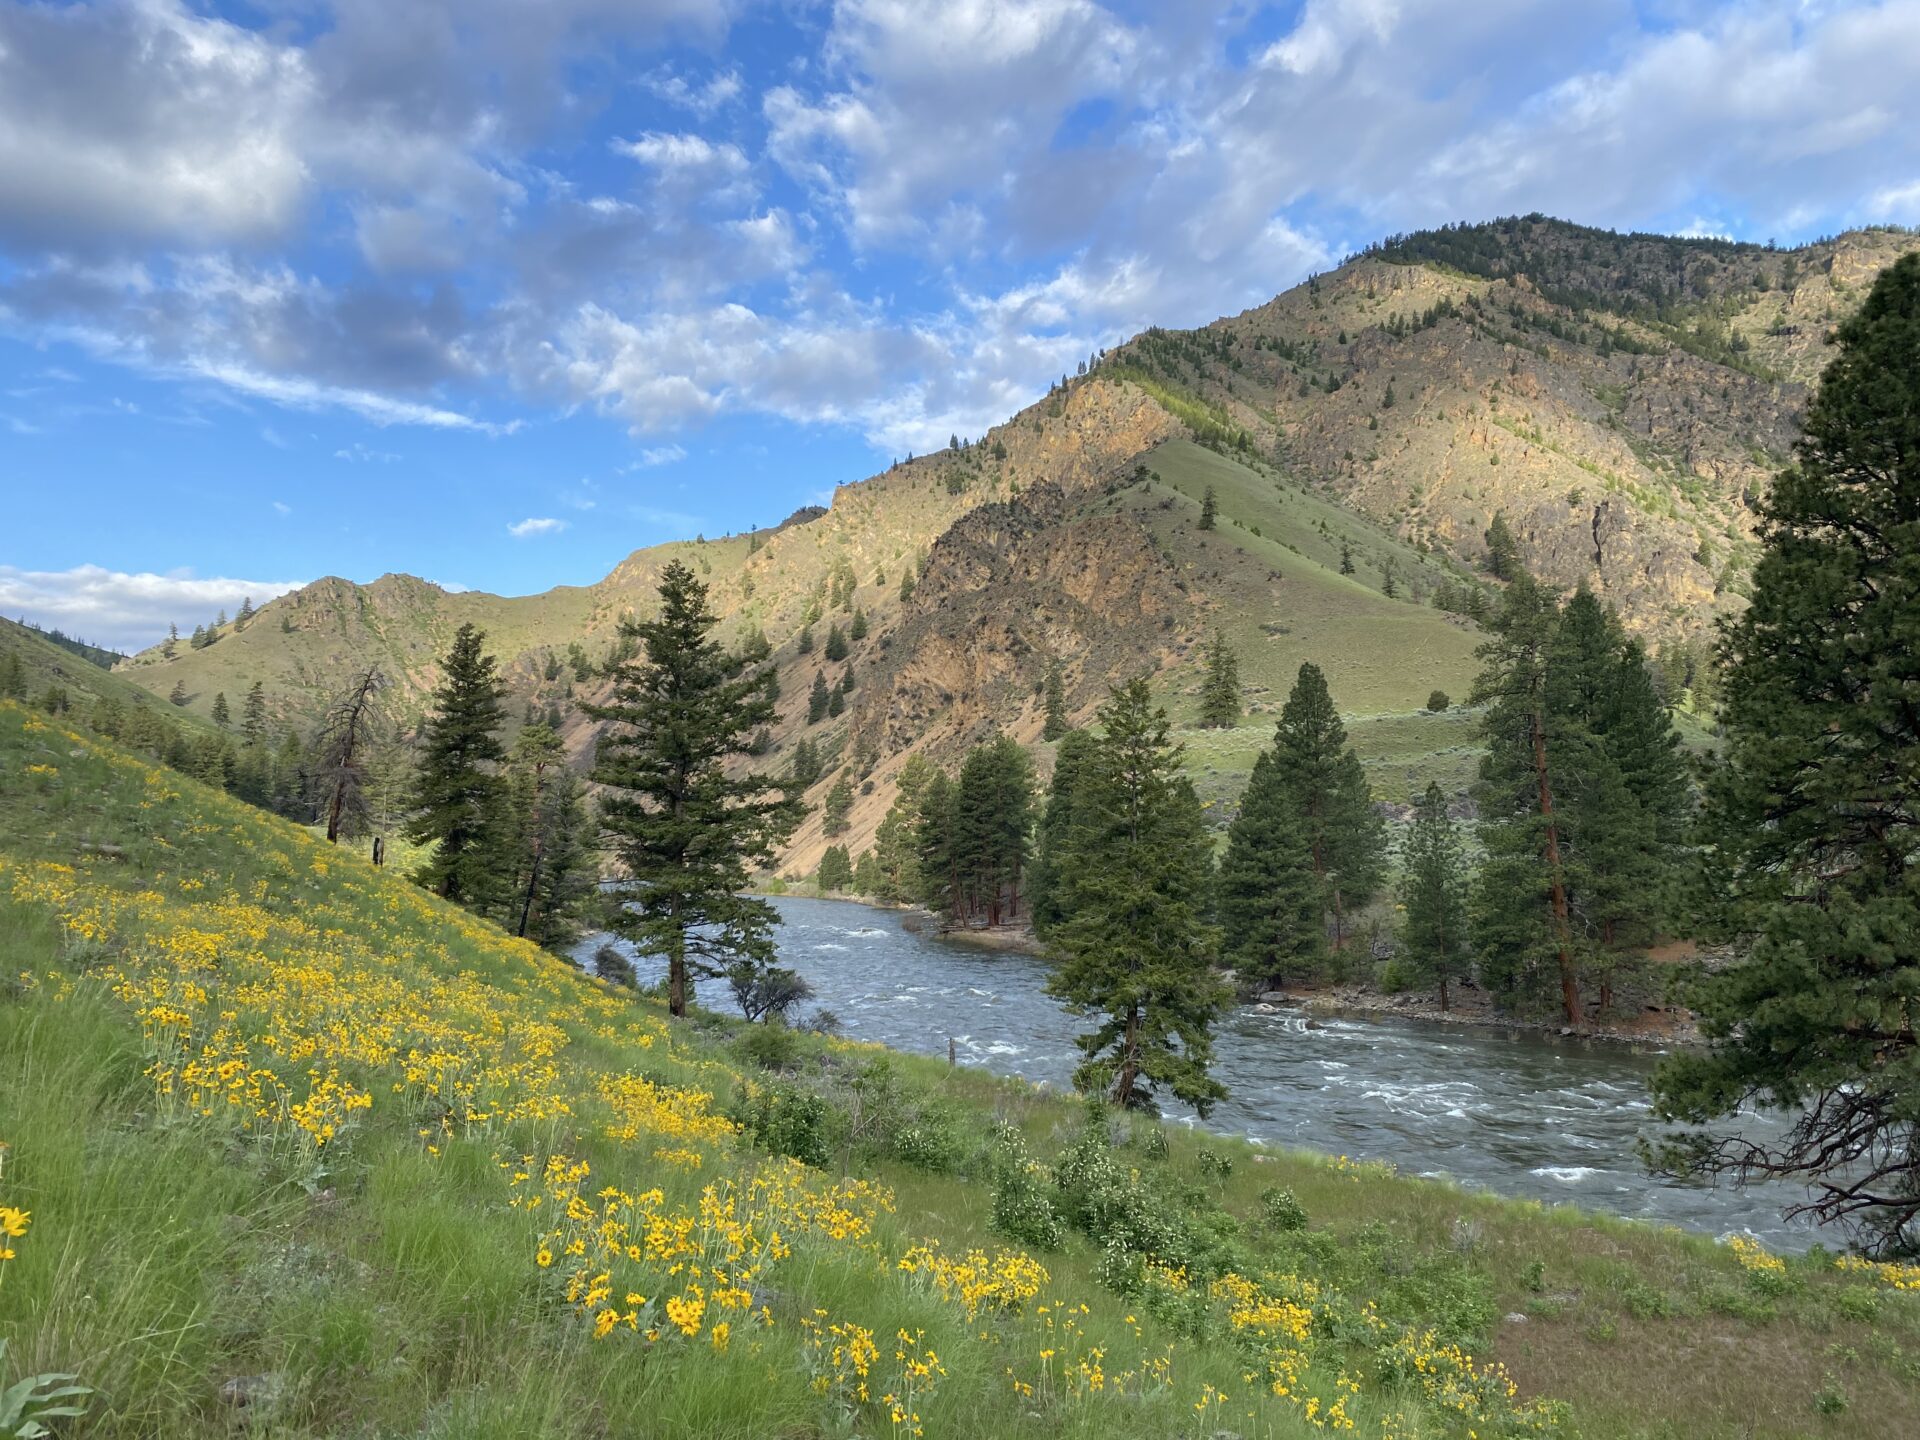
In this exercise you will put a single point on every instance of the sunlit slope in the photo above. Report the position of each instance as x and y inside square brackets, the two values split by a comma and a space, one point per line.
[294, 1148]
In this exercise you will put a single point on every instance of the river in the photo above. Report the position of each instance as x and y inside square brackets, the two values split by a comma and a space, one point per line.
[1517, 1113]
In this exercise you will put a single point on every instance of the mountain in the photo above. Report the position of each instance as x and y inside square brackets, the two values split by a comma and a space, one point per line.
[1622, 400]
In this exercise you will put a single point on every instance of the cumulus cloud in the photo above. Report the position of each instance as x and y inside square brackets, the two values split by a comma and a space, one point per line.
[535, 525]
[905, 226]
[126, 611]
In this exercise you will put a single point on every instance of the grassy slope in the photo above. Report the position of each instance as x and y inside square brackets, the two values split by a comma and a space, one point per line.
[1383, 657]
[383, 1283]
[48, 664]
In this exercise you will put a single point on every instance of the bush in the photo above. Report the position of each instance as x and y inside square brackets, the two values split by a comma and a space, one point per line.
[1021, 1208]
[1216, 1164]
[1439, 700]
[1283, 1211]
[786, 1120]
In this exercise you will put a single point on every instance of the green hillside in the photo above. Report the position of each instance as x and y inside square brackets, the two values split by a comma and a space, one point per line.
[50, 666]
[295, 1149]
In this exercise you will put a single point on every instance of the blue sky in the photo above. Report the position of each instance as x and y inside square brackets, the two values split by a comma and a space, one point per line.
[495, 292]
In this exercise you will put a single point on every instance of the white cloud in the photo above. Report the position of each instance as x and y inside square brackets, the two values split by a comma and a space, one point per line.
[535, 525]
[358, 454]
[683, 152]
[660, 455]
[280, 507]
[126, 611]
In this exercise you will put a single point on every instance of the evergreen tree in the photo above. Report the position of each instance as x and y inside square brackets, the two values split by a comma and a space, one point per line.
[1056, 723]
[170, 646]
[805, 765]
[906, 585]
[991, 821]
[1220, 691]
[836, 646]
[1522, 922]
[1134, 948]
[835, 809]
[836, 703]
[1503, 551]
[244, 613]
[818, 699]
[458, 793]
[178, 695]
[1209, 508]
[687, 826]
[253, 715]
[1046, 902]
[1270, 901]
[13, 678]
[836, 869]
[1810, 816]
[1346, 558]
[1433, 898]
[554, 872]
[198, 640]
[222, 716]
[867, 877]
[1346, 838]
[933, 844]
[857, 627]
[803, 643]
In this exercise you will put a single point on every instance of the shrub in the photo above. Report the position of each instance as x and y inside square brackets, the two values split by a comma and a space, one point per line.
[1439, 700]
[1216, 1164]
[1021, 1208]
[1282, 1209]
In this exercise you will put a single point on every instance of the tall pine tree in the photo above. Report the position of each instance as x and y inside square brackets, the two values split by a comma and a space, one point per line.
[1134, 948]
[554, 871]
[1220, 691]
[686, 820]
[1056, 723]
[1434, 950]
[1270, 901]
[1811, 815]
[458, 790]
[1346, 838]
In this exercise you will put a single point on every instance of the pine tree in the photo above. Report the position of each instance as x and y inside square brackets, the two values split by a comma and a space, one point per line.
[458, 794]
[837, 806]
[171, 644]
[906, 585]
[687, 826]
[1433, 898]
[933, 846]
[1209, 508]
[222, 716]
[1346, 558]
[857, 627]
[13, 678]
[253, 715]
[1220, 691]
[803, 643]
[1046, 904]
[804, 766]
[836, 646]
[818, 699]
[1503, 551]
[991, 822]
[1522, 921]
[1134, 948]
[554, 875]
[1271, 904]
[867, 877]
[1056, 723]
[1809, 817]
[178, 695]
[199, 640]
[244, 613]
[1346, 837]
[836, 703]
[836, 869]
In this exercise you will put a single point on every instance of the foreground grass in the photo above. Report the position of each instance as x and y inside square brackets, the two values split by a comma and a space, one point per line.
[306, 1152]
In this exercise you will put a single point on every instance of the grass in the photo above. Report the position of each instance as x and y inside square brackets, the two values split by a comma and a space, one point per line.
[295, 1134]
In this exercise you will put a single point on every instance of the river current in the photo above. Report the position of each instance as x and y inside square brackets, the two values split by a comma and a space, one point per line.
[1516, 1113]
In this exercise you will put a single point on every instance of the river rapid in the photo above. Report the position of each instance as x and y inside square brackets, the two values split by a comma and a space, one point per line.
[1516, 1113]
